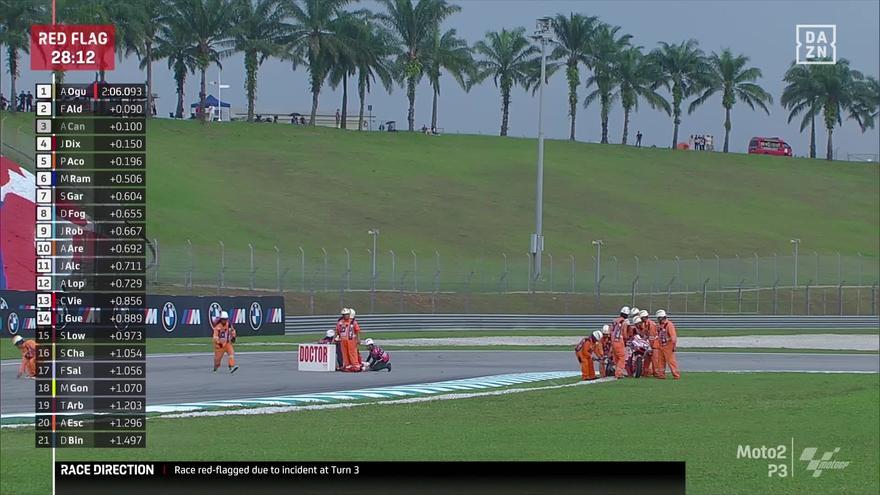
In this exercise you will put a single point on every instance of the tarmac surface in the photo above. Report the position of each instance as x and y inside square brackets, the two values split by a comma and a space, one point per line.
[178, 378]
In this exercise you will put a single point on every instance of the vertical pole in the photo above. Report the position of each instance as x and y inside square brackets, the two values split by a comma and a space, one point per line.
[718, 270]
[324, 251]
[839, 272]
[616, 269]
[539, 185]
[529, 280]
[191, 264]
[775, 267]
[818, 280]
[757, 275]
[437, 275]
[571, 257]
[347, 269]
[840, 298]
[415, 271]
[550, 259]
[505, 274]
[302, 268]
[222, 265]
[699, 268]
[156, 272]
[277, 269]
[656, 271]
[861, 259]
[253, 270]
[393, 270]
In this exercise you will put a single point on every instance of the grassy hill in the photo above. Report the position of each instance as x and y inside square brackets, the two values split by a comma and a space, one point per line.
[472, 198]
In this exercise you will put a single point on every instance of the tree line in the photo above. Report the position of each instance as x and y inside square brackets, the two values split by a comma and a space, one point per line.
[404, 43]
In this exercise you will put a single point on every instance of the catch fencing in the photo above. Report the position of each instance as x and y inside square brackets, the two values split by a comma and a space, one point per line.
[421, 322]
[810, 282]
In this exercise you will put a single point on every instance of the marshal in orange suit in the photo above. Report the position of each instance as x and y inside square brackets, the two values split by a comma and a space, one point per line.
[586, 348]
[224, 337]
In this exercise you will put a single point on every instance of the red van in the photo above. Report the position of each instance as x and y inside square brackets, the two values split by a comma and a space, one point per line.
[769, 146]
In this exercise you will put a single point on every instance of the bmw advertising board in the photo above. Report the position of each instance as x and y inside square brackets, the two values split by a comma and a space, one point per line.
[165, 316]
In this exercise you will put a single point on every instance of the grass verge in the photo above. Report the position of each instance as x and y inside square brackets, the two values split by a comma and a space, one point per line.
[701, 419]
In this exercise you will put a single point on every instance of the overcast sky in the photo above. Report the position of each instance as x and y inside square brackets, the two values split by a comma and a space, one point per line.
[762, 30]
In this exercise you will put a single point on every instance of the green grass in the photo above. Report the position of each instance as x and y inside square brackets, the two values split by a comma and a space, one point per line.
[701, 419]
[471, 198]
[182, 345]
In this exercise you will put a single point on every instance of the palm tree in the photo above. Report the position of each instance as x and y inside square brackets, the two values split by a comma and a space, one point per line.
[350, 27]
[374, 47]
[729, 75]
[866, 104]
[120, 13]
[573, 35]
[145, 22]
[801, 95]
[605, 48]
[260, 27]
[209, 23]
[838, 92]
[509, 59]
[315, 40]
[175, 44]
[15, 24]
[414, 24]
[635, 74]
[683, 70]
[449, 52]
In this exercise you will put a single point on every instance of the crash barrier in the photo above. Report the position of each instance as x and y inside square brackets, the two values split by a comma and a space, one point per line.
[164, 316]
[317, 357]
[419, 322]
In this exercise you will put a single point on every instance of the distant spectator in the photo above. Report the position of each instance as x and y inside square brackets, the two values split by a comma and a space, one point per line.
[302, 121]
[22, 98]
[381, 127]
[692, 142]
[639, 139]
[3, 102]
[30, 102]
[153, 109]
[710, 142]
[337, 117]
[424, 129]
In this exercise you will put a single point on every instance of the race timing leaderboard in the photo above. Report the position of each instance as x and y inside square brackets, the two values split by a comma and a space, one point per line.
[90, 265]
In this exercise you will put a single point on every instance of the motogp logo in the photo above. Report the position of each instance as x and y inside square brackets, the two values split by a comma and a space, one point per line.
[256, 315]
[169, 317]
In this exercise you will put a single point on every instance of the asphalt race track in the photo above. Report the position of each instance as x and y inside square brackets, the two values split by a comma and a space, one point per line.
[176, 378]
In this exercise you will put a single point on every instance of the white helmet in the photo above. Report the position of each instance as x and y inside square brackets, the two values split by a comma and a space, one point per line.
[597, 334]
[17, 339]
[224, 315]
[330, 333]
[606, 330]
[351, 310]
[661, 313]
[634, 311]
[643, 314]
[368, 342]
[624, 310]
[636, 320]
[345, 311]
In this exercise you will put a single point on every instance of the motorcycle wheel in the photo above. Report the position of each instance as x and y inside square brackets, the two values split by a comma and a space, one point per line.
[638, 366]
